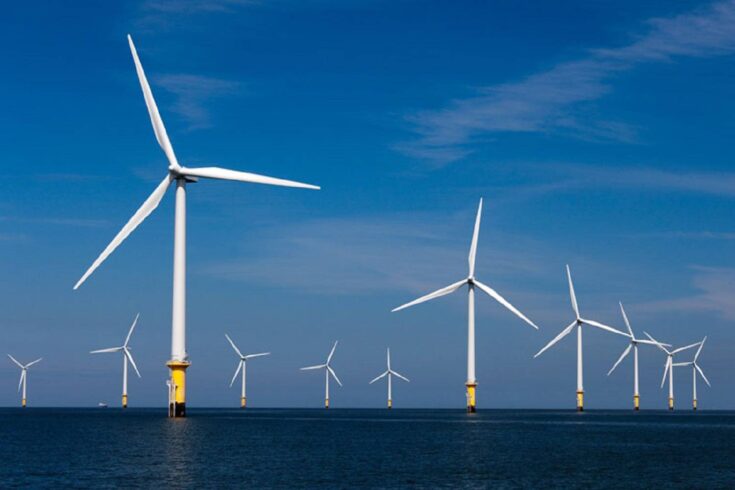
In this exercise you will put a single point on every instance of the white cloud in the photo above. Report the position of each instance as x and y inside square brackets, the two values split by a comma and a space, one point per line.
[192, 92]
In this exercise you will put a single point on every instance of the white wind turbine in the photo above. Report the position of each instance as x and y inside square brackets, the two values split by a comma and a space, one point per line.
[471, 283]
[242, 365]
[695, 369]
[23, 376]
[327, 371]
[669, 366]
[181, 175]
[127, 357]
[634, 346]
[390, 373]
[578, 323]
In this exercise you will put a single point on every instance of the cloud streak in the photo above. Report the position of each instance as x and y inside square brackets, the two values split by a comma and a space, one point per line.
[193, 92]
[551, 101]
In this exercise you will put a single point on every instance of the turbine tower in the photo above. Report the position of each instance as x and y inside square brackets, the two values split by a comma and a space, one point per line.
[695, 369]
[471, 283]
[181, 176]
[634, 346]
[390, 373]
[327, 371]
[578, 323]
[127, 357]
[669, 366]
[242, 366]
[23, 376]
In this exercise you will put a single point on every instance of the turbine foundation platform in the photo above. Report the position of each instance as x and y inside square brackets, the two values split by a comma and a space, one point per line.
[326, 403]
[580, 401]
[636, 402]
[671, 403]
[694, 404]
[125, 401]
[471, 397]
[177, 395]
[23, 403]
[243, 402]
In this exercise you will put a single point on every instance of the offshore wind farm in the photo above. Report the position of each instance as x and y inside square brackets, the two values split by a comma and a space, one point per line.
[490, 148]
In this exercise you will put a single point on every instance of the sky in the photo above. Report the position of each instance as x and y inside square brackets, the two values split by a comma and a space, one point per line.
[598, 133]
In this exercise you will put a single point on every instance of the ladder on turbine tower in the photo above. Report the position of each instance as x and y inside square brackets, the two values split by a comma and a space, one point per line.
[171, 396]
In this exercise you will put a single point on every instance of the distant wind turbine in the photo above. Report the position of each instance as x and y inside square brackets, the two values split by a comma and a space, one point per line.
[390, 373]
[695, 369]
[578, 323]
[127, 357]
[23, 377]
[182, 176]
[327, 371]
[471, 283]
[242, 365]
[633, 345]
[669, 366]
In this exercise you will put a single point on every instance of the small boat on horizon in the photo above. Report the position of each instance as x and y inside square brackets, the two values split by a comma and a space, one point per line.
[102, 405]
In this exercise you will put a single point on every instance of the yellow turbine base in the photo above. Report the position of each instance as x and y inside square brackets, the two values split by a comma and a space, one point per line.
[390, 403]
[580, 401]
[694, 404]
[178, 377]
[636, 402]
[326, 403]
[243, 402]
[125, 401]
[23, 403]
[671, 403]
[471, 397]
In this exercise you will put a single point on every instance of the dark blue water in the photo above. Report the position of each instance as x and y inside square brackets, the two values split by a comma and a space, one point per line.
[55, 448]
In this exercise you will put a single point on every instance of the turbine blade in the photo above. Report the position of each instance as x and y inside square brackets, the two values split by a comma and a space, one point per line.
[22, 377]
[132, 327]
[225, 174]
[625, 353]
[156, 121]
[650, 342]
[234, 346]
[141, 214]
[111, 349]
[666, 371]
[436, 294]
[625, 317]
[237, 371]
[556, 339]
[132, 361]
[696, 356]
[400, 376]
[331, 371]
[320, 366]
[593, 323]
[573, 296]
[388, 358]
[496, 296]
[15, 361]
[379, 377]
[250, 356]
[34, 362]
[331, 353]
[685, 347]
[656, 342]
[475, 235]
[699, 370]
[682, 364]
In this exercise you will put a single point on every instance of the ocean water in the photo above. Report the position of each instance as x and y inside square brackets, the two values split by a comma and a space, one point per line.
[345, 448]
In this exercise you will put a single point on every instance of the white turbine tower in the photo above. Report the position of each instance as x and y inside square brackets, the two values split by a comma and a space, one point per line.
[242, 366]
[127, 357]
[578, 323]
[390, 373]
[634, 346]
[471, 283]
[695, 369]
[327, 371]
[182, 176]
[669, 366]
[23, 377]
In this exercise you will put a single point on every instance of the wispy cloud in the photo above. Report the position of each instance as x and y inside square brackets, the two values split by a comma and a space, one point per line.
[188, 7]
[552, 100]
[716, 293]
[192, 94]
[73, 222]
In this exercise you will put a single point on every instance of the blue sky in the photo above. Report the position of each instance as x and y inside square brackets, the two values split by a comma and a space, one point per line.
[599, 134]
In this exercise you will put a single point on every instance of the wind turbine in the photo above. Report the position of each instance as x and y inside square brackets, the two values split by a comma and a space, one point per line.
[182, 176]
[634, 346]
[242, 365]
[327, 371]
[127, 357]
[669, 366]
[471, 283]
[578, 323]
[23, 376]
[390, 373]
[695, 369]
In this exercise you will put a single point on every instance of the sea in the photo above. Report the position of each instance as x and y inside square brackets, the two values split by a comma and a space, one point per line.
[356, 448]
